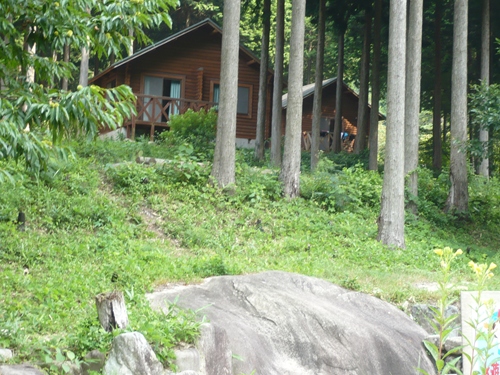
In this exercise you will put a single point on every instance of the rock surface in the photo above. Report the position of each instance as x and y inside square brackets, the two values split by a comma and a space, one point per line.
[5, 354]
[131, 355]
[94, 362]
[287, 324]
[421, 313]
[187, 360]
[19, 370]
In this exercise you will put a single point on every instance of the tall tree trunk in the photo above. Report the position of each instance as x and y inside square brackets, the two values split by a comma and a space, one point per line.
[458, 199]
[223, 168]
[392, 210]
[374, 119]
[264, 62]
[360, 143]
[131, 45]
[112, 59]
[337, 125]
[485, 76]
[412, 99]
[437, 147]
[290, 169]
[318, 88]
[66, 60]
[278, 85]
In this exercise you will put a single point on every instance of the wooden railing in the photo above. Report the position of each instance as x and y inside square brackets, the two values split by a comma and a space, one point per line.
[325, 143]
[156, 111]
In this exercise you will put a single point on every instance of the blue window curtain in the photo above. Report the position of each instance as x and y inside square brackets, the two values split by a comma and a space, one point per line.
[216, 95]
[175, 92]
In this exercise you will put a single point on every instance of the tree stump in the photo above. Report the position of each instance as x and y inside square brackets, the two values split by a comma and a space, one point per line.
[111, 310]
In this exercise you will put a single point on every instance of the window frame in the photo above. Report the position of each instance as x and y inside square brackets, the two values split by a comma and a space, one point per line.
[250, 96]
[177, 77]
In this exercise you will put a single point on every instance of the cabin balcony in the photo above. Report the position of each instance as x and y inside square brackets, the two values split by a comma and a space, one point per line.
[153, 113]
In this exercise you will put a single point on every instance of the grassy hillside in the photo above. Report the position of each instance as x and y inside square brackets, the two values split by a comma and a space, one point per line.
[93, 226]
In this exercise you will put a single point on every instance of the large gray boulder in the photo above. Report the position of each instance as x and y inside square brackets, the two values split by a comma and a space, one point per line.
[131, 354]
[288, 324]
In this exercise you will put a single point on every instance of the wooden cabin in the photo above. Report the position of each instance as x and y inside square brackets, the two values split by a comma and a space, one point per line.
[181, 72]
[350, 100]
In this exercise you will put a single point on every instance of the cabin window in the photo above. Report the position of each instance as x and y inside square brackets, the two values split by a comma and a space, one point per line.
[244, 98]
[111, 84]
[165, 87]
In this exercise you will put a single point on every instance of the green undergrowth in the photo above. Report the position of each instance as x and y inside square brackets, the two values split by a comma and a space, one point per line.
[94, 227]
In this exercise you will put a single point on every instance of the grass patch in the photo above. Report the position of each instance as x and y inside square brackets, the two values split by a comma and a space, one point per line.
[93, 227]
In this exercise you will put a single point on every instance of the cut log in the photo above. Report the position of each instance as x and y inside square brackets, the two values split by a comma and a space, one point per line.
[111, 310]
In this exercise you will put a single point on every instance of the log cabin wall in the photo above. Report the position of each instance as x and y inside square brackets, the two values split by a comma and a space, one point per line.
[194, 58]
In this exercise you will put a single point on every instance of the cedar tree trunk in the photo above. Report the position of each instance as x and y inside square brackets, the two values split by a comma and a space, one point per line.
[392, 210]
[374, 119]
[485, 76]
[223, 168]
[360, 143]
[412, 99]
[318, 88]
[290, 169]
[458, 198]
[264, 62]
[337, 125]
[278, 85]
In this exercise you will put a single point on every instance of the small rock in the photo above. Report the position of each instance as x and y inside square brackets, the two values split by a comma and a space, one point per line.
[74, 369]
[19, 370]
[433, 339]
[5, 354]
[94, 361]
[187, 360]
[131, 355]
[421, 313]
[452, 343]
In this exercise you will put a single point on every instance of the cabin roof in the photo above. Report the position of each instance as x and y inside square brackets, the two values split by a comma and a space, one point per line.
[308, 90]
[171, 38]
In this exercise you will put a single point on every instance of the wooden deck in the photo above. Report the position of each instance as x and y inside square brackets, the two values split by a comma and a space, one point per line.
[155, 111]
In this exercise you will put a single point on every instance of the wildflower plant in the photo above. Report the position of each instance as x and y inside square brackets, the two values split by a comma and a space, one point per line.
[482, 358]
[442, 325]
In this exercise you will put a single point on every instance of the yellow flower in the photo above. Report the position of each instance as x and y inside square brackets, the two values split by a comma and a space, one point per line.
[439, 252]
[492, 266]
[490, 275]
[459, 252]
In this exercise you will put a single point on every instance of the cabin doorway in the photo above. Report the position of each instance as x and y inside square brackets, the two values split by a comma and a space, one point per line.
[162, 88]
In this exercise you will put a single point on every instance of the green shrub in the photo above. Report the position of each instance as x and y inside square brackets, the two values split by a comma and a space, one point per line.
[197, 128]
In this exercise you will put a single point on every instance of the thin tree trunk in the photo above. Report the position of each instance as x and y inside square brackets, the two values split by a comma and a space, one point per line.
[112, 59]
[96, 64]
[412, 99]
[30, 72]
[337, 125]
[458, 199]
[66, 60]
[445, 115]
[318, 88]
[278, 85]
[437, 147]
[84, 63]
[374, 119]
[223, 168]
[485, 76]
[264, 62]
[392, 212]
[363, 118]
[290, 170]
